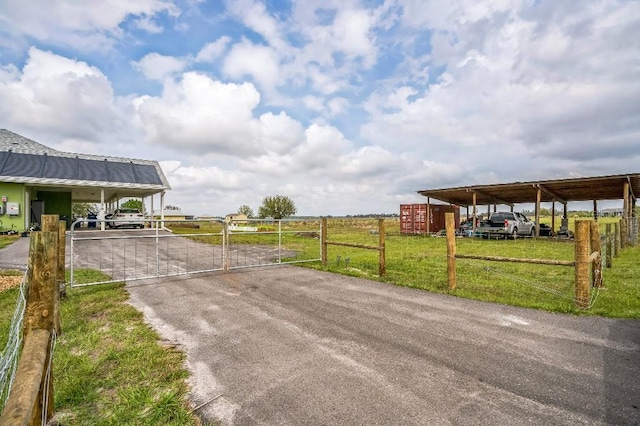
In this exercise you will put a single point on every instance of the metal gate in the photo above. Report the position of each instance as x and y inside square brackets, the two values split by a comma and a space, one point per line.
[163, 249]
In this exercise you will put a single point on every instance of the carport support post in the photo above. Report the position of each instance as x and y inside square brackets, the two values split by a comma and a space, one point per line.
[609, 245]
[475, 215]
[382, 267]
[451, 250]
[323, 237]
[582, 264]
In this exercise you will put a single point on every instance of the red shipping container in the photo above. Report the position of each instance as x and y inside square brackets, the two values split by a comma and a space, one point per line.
[413, 217]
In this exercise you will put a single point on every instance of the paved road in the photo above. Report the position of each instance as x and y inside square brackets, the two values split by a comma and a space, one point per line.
[292, 346]
[15, 255]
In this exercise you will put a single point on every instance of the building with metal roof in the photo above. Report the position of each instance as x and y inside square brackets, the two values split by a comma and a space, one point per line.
[36, 179]
[625, 187]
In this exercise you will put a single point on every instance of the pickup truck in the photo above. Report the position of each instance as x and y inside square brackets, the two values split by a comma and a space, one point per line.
[506, 224]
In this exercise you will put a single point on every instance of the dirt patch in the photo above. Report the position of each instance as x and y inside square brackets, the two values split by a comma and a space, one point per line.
[7, 282]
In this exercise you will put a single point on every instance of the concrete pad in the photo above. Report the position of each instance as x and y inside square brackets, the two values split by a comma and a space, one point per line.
[289, 345]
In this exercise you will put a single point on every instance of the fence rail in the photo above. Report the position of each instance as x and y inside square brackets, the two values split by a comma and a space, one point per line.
[587, 259]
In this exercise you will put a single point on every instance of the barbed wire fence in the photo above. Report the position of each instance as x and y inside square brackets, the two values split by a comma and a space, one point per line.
[10, 355]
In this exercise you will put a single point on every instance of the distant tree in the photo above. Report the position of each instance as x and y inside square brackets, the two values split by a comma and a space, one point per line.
[545, 212]
[171, 208]
[277, 207]
[245, 210]
[133, 204]
[81, 209]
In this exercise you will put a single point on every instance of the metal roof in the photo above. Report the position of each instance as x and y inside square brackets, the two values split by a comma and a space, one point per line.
[23, 160]
[561, 190]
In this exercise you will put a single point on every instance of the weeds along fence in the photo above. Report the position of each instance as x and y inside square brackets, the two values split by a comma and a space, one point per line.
[28, 355]
[591, 253]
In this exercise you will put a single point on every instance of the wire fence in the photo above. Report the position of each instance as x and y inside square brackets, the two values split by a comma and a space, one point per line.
[420, 260]
[10, 355]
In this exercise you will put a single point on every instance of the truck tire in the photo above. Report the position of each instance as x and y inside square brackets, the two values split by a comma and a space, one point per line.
[533, 232]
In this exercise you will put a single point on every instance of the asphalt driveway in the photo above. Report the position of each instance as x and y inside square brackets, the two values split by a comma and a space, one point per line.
[293, 346]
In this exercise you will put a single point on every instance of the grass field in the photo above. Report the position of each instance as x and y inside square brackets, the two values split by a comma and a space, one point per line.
[109, 366]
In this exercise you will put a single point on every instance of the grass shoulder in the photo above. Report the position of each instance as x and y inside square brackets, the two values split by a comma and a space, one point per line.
[110, 367]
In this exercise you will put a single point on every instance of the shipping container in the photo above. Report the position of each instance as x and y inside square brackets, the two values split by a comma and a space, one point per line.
[413, 218]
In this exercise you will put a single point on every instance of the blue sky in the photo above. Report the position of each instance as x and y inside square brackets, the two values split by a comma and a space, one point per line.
[345, 106]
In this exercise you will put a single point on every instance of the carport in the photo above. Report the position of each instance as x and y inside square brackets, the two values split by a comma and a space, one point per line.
[42, 180]
[614, 187]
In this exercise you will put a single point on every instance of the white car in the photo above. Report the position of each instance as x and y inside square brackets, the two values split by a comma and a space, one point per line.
[126, 217]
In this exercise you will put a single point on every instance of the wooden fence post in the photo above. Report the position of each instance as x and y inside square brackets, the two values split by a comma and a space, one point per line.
[382, 267]
[624, 233]
[582, 253]
[21, 408]
[616, 239]
[451, 250]
[609, 262]
[51, 223]
[41, 300]
[323, 238]
[596, 264]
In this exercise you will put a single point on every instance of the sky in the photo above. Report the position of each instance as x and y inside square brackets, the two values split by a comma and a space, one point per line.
[346, 107]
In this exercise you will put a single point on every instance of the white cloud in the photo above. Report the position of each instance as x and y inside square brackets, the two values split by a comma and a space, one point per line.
[254, 16]
[373, 103]
[542, 90]
[202, 115]
[83, 25]
[337, 106]
[212, 51]
[61, 98]
[280, 133]
[250, 60]
[158, 67]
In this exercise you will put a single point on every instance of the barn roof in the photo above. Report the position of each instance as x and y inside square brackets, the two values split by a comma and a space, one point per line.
[560, 190]
[23, 160]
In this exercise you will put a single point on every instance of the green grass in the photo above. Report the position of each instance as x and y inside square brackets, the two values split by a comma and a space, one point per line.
[421, 262]
[109, 367]
[6, 240]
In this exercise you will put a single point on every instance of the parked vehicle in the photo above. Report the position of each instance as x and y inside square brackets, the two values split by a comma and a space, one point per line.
[506, 225]
[125, 217]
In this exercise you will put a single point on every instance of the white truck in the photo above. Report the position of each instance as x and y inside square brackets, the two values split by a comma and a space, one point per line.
[506, 225]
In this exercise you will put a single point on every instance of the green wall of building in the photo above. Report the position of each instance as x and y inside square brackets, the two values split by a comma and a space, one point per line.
[14, 193]
[57, 203]
[54, 203]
